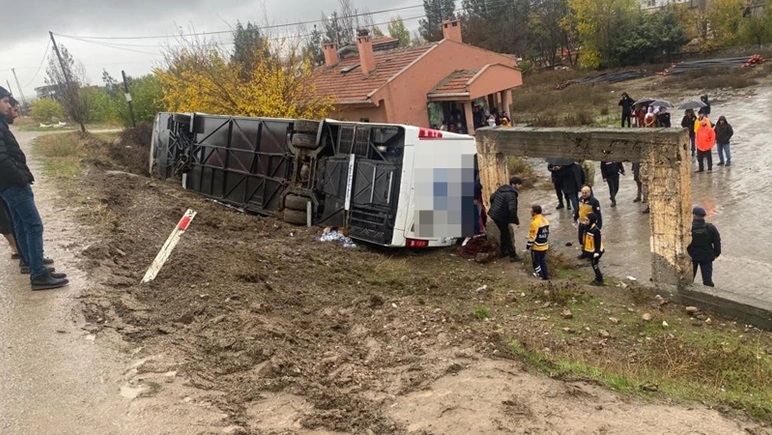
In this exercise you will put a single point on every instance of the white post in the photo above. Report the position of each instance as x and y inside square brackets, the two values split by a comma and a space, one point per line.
[169, 246]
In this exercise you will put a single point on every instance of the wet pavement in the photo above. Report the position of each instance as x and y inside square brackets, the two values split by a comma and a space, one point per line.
[55, 377]
[733, 196]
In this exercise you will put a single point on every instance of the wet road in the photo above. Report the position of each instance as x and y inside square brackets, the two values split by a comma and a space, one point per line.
[735, 198]
[55, 377]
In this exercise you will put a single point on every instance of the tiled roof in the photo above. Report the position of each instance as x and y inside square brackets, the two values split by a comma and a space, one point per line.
[354, 86]
[455, 83]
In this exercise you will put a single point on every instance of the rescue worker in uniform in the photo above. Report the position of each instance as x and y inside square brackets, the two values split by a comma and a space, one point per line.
[587, 204]
[704, 247]
[503, 211]
[592, 247]
[538, 242]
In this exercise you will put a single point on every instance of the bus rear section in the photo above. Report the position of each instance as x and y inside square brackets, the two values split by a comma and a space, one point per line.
[437, 206]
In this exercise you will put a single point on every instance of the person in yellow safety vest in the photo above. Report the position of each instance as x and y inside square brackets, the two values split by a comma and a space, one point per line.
[592, 247]
[587, 204]
[538, 242]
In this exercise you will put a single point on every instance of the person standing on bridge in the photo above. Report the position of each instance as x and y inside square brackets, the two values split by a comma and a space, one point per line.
[588, 205]
[16, 190]
[627, 108]
[705, 246]
[688, 122]
[503, 211]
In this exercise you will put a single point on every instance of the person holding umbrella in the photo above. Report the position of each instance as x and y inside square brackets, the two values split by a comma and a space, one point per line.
[688, 122]
[663, 117]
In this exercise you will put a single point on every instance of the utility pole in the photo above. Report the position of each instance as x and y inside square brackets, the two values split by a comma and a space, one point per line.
[66, 72]
[128, 98]
[8, 83]
[21, 93]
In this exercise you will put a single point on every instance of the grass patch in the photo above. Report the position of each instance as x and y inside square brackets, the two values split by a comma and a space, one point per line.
[481, 312]
[65, 154]
[604, 340]
[539, 104]
[716, 78]
[522, 168]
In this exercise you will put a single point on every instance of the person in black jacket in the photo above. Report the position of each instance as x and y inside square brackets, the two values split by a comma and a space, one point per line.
[724, 134]
[16, 190]
[663, 118]
[556, 175]
[572, 179]
[503, 211]
[688, 122]
[627, 108]
[705, 110]
[610, 172]
[704, 247]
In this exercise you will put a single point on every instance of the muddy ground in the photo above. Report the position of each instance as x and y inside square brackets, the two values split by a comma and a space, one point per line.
[288, 335]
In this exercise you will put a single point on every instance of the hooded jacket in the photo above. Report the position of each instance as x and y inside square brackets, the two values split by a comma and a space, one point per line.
[723, 131]
[13, 163]
[706, 137]
[504, 205]
[706, 241]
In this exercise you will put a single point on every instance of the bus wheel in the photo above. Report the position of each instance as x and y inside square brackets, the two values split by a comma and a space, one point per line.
[304, 140]
[296, 217]
[308, 127]
[296, 202]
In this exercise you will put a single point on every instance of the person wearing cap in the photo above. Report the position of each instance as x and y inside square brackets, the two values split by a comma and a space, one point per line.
[538, 242]
[592, 247]
[704, 247]
[16, 190]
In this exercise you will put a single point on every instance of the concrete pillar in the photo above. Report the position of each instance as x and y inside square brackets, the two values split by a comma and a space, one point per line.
[492, 164]
[469, 117]
[669, 182]
[507, 102]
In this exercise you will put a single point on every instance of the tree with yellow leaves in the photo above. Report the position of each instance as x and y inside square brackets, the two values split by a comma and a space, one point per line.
[200, 77]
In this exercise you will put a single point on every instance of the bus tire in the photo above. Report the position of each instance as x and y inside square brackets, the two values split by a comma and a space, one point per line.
[308, 127]
[295, 217]
[296, 202]
[181, 118]
[304, 141]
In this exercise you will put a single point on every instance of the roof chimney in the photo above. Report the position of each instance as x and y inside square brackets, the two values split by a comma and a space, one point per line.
[365, 47]
[451, 30]
[330, 54]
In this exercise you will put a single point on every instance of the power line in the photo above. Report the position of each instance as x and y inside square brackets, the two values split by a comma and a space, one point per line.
[273, 26]
[40, 67]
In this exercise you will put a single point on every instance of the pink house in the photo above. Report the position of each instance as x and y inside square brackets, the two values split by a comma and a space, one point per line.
[421, 85]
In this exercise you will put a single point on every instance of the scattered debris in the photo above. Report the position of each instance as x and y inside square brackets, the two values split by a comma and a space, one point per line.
[646, 317]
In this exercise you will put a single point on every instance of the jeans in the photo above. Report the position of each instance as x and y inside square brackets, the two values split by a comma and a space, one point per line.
[723, 150]
[539, 261]
[613, 187]
[706, 267]
[692, 140]
[507, 244]
[27, 227]
[573, 199]
[701, 156]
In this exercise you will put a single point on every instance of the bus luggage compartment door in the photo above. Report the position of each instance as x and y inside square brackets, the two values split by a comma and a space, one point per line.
[374, 201]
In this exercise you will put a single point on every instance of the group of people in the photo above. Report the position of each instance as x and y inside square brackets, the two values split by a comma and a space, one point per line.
[455, 122]
[587, 217]
[20, 221]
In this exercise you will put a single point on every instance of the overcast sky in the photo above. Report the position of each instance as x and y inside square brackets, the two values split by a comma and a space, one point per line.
[24, 31]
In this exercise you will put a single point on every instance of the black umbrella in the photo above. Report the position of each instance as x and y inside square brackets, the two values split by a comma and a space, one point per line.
[645, 101]
[560, 162]
[661, 103]
[691, 105]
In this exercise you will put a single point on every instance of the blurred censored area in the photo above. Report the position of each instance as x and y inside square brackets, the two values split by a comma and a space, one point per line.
[444, 191]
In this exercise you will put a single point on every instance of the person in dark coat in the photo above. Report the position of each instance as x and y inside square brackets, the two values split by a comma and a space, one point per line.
[663, 118]
[556, 167]
[503, 211]
[627, 108]
[610, 172]
[705, 110]
[572, 179]
[16, 190]
[705, 246]
[688, 122]
[724, 134]
[6, 225]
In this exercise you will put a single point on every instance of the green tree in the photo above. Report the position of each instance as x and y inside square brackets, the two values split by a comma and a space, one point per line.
[497, 25]
[436, 12]
[312, 47]
[67, 95]
[601, 25]
[756, 26]
[46, 109]
[548, 36]
[248, 45]
[398, 31]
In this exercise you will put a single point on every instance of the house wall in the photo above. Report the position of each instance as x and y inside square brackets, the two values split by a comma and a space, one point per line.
[405, 96]
[354, 113]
